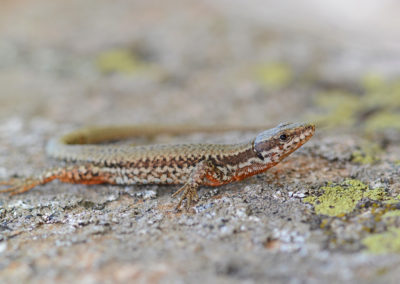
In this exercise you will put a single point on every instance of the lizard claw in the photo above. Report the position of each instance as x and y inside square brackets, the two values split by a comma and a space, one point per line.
[189, 194]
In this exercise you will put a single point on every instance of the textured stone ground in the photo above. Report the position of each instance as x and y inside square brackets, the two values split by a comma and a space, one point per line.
[330, 212]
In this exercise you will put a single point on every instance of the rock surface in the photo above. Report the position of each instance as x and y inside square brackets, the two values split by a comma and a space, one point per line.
[330, 212]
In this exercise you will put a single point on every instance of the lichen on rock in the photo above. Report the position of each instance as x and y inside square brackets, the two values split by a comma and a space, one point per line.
[341, 199]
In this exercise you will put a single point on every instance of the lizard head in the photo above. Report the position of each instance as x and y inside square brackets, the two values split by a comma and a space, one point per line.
[277, 143]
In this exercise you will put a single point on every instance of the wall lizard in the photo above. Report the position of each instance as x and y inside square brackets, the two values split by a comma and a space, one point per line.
[192, 165]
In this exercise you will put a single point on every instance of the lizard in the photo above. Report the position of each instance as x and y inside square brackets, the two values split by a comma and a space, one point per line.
[192, 165]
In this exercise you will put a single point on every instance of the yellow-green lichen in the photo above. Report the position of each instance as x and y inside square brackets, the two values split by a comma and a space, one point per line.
[376, 194]
[382, 95]
[391, 200]
[387, 242]
[119, 61]
[372, 82]
[274, 75]
[383, 120]
[340, 199]
[340, 109]
[376, 109]
[392, 214]
[368, 154]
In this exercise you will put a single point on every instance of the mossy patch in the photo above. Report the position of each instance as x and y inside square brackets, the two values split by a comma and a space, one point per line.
[368, 154]
[387, 242]
[340, 109]
[119, 61]
[381, 94]
[340, 199]
[372, 82]
[376, 109]
[383, 120]
[274, 75]
[392, 214]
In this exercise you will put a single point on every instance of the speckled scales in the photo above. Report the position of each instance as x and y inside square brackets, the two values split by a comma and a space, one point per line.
[192, 165]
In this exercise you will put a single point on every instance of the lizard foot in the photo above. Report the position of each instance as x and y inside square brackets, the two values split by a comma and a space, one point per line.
[189, 193]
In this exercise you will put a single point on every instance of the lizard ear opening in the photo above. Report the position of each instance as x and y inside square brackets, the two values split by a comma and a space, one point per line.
[258, 154]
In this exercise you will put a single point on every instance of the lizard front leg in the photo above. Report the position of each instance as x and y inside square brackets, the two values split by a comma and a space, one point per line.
[205, 173]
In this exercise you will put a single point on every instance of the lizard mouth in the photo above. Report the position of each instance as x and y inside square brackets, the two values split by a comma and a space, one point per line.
[304, 134]
[307, 132]
[301, 135]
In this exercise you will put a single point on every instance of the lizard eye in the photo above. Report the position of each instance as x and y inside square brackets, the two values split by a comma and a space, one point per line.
[283, 137]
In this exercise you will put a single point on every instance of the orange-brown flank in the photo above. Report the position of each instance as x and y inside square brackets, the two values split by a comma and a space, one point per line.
[192, 165]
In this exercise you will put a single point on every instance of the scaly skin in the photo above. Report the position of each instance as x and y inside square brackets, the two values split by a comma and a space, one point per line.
[192, 165]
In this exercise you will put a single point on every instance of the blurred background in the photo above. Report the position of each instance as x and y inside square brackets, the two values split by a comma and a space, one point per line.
[209, 62]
